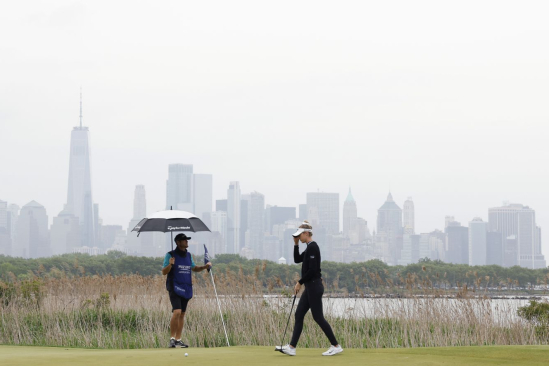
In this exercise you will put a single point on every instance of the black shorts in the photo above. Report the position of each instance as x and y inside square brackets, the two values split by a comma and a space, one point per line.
[178, 302]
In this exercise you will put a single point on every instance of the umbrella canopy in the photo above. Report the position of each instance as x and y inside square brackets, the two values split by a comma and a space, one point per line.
[170, 221]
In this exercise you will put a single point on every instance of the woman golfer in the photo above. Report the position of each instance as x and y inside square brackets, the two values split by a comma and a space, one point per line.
[311, 298]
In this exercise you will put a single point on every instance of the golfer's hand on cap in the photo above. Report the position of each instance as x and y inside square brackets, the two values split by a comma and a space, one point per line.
[297, 288]
[296, 240]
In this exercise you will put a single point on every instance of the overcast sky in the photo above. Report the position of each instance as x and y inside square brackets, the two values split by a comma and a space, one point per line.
[446, 102]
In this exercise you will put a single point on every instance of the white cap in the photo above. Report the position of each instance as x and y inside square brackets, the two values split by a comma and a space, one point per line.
[301, 230]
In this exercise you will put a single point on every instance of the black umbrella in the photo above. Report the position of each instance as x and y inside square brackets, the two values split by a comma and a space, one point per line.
[170, 221]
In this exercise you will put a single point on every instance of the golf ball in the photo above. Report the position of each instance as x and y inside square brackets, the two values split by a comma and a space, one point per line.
[186, 354]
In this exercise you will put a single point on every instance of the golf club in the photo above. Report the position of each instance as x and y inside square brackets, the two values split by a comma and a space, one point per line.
[289, 316]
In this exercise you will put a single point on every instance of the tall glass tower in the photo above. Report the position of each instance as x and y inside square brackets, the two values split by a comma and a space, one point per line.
[79, 197]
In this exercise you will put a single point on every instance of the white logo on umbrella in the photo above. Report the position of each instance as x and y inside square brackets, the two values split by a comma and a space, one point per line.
[179, 227]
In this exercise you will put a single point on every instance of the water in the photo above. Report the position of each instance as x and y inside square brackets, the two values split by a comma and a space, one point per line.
[501, 311]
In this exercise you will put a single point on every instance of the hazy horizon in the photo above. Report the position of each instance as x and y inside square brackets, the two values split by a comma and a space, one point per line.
[444, 103]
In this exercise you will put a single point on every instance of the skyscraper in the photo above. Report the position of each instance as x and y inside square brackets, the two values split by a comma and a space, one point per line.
[457, 243]
[326, 206]
[410, 249]
[477, 242]
[256, 212]
[233, 218]
[135, 244]
[32, 232]
[276, 215]
[13, 216]
[5, 239]
[179, 187]
[187, 191]
[203, 194]
[221, 205]
[349, 214]
[219, 224]
[79, 196]
[3, 215]
[517, 222]
[139, 203]
[65, 233]
[303, 212]
[494, 248]
[408, 220]
[389, 230]
[244, 221]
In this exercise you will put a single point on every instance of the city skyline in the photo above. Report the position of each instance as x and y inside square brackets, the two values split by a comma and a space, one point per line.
[365, 95]
[246, 225]
[185, 190]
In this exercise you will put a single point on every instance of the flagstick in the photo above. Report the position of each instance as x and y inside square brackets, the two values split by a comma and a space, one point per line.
[220, 313]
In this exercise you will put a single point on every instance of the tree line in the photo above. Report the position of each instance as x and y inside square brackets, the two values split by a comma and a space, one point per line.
[338, 277]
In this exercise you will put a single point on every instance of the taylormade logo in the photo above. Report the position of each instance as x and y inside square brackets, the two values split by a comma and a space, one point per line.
[179, 227]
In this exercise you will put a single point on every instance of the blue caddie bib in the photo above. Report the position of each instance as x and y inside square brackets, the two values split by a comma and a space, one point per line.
[181, 276]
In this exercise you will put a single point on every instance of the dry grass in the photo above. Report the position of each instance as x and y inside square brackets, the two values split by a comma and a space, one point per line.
[134, 312]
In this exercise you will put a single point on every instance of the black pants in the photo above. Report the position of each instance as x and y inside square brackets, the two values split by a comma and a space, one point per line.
[312, 299]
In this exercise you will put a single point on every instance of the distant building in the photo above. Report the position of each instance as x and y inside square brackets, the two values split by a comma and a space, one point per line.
[519, 221]
[303, 212]
[65, 233]
[139, 202]
[339, 246]
[256, 212]
[389, 230]
[221, 205]
[326, 206]
[494, 248]
[179, 187]
[5, 237]
[408, 219]
[448, 220]
[141, 244]
[13, 215]
[477, 242]
[203, 194]
[233, 218]
[109, 235]
[359, 232]
[276, 215]
[410, 249]
[244, 222]
[219, 224]
[79, 196]
[270, 248]
[457, 243]
[349, 214]
[437, 243]
[32, 232]
[425, 246]
[3, 215]
[510, 251]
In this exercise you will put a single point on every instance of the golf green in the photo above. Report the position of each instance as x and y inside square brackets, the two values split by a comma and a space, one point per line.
[238, 356]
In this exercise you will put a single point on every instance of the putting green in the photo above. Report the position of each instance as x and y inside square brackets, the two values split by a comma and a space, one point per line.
[238, 356]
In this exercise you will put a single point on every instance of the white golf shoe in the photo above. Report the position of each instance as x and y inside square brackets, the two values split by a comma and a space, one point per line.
[333, 350]
[287, 350]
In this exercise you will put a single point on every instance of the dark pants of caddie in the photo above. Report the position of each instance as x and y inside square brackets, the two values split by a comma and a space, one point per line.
[311, 298]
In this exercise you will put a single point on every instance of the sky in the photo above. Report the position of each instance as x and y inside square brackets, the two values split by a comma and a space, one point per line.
[444, 102]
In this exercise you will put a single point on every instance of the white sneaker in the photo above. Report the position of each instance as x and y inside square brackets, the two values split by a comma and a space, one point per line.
[333, 350]
[287, 350]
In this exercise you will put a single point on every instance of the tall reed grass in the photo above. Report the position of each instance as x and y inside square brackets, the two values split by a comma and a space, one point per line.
[134, 311]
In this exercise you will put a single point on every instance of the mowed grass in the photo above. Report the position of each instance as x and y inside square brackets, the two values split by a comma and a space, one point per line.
[239, 356]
